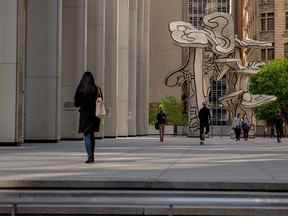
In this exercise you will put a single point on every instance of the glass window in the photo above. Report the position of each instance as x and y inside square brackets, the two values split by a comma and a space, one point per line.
[286, 50]
[286, 21]
[270, 54]
[267, 22]
[270, 22]
[263, 22]
[263, 55]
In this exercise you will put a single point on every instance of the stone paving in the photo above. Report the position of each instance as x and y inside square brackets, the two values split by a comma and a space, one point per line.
[178, 159]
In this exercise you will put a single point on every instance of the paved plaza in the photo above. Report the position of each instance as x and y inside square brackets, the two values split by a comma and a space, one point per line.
[146, 160]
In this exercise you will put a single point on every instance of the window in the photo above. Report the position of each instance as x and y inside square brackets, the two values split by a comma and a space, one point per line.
[219, 116]
[266, 1]
[223, 6]
[268, 54]
[270, 22]
[218, 89]
[263, 55]
[263, 22]
[267, 22]
[286, 50]
[286, 21]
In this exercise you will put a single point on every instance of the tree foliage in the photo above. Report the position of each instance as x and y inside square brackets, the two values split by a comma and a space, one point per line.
[172, 107]
[272, 80]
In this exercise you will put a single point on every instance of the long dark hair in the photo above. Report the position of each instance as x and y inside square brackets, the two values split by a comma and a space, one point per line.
[87, 85]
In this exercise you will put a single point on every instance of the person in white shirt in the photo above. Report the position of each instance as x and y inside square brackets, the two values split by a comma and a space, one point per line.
[236, 125]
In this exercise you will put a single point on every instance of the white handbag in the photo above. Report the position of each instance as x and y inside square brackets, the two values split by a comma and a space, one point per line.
[100, 107]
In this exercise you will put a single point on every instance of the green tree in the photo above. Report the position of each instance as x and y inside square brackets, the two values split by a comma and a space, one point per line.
[153, 110]
[172, 107]
[272, 80]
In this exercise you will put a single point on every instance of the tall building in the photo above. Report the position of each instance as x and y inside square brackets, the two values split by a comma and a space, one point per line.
[194, 11]
[46, 45]
[266, 20]
[164, 56]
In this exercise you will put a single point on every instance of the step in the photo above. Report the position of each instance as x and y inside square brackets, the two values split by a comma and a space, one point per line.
[138, 202]
[146, 185]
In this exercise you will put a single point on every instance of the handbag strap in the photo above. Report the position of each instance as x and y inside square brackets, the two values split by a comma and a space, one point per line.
[99, 92]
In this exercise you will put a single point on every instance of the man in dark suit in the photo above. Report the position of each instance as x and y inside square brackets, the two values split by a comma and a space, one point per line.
[204, 117]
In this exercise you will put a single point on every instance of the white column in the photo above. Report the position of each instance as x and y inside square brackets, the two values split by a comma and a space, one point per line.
[96, 44]
[21, 69]
[123, 66]
[43, 76]
[116, 67]
[8, 60]
[111, 83]
[143, 66]
[133, 50]
[73, 62]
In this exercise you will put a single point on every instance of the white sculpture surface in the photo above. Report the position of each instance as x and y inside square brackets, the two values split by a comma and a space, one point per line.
[214, 52]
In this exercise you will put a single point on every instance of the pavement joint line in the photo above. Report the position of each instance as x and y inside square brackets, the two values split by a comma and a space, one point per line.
[171, 165]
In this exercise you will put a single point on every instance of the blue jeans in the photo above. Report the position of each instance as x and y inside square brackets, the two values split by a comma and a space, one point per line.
[89, 145]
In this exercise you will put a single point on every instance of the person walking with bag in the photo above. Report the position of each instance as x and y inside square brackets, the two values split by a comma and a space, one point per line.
[85, 98]
[161, 121]
[236, 125]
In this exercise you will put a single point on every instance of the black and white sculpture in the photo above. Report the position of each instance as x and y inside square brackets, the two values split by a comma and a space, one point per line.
[214, 52]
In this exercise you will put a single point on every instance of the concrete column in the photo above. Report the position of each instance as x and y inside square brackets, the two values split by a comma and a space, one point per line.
[123, 66]
[111, 84]
[96, 44]
[143, 66]
[21, 68]
[133, 50]
[43, 76]
[74, 51]
[116, 67]
[8, 64]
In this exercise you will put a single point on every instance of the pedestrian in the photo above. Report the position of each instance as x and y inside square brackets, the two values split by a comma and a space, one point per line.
[85, 98]
[236, 125]
[161, 121]
[204, 117]
[245, 127]
[279, 126]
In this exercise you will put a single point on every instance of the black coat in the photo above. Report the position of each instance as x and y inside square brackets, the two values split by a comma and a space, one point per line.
[204, 116]
[161, 118]
[88, 122]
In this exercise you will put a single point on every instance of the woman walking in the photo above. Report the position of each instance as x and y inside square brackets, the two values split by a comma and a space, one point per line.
[85, 98]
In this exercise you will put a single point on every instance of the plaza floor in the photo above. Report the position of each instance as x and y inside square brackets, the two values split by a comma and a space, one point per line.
[143, 162]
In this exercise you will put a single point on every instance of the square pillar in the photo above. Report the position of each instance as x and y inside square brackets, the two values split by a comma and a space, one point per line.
[74, 49]
[43, 72]
[8, 68]
[143, 68]
[116, 67]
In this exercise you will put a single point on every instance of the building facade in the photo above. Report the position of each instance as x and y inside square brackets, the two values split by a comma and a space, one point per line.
[266, 20]
[46, 45]
[165, 56]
